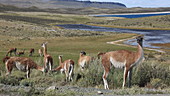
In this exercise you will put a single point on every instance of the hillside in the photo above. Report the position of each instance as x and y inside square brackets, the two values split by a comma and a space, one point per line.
[153, 22]
[62, 4]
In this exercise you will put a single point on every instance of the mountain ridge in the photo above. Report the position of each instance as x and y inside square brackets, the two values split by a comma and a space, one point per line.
[62, 4]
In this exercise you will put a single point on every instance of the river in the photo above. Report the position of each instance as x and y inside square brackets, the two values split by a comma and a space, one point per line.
[150, 36]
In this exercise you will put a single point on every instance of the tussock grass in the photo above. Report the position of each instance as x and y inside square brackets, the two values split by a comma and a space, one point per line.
[57, 46]
[150, 73]
[153, 73]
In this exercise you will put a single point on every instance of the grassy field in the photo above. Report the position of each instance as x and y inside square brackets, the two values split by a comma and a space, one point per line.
[26, 30]
[153, 23]
[149, 75]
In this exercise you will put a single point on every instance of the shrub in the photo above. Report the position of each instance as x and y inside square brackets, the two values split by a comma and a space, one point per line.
[151, 71]
[42, 81]
[59, 93]
[91, 76]
[27, 82]
[157, 83]
[9, 80]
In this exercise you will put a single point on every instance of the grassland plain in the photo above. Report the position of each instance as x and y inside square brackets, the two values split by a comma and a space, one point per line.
[147, 23]
[18, 29]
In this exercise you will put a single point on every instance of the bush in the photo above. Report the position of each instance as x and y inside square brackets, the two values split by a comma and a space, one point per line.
[151, 71]
[27, 82]
[58, 93]
[40, 81]
[91, 76]
[157, 83]
[9, 80]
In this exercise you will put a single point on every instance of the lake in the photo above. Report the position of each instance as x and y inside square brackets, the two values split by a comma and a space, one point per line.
[151, 36]
[134, 15]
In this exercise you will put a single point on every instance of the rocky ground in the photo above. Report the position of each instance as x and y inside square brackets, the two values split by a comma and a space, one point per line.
[9, 90]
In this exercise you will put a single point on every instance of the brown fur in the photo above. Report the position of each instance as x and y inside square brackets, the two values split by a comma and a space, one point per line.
[85, 59]
[5, 59]
[48, 60]
[21, 53]
[65, 66]
[11, 50]
[31, 51]
[40, 52]
[120, 57]
[100, 54]
[21, 63]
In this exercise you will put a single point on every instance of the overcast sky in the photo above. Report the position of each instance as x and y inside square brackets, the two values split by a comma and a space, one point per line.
[140, 3]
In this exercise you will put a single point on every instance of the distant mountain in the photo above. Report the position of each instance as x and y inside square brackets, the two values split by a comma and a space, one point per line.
[61, 4]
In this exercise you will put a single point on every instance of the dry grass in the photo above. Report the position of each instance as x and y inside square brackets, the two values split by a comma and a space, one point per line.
[26, 35]
[151, 23]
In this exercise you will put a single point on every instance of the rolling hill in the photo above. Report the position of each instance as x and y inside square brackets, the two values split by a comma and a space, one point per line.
[61, 4]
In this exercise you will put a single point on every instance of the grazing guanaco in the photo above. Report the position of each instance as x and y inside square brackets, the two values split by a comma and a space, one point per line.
[67, 67]
[84, 60]
[12, 50]
[31, 51]
[40, 52]
[48, 60]
[21, 53]
[122, 59]
[21, 63]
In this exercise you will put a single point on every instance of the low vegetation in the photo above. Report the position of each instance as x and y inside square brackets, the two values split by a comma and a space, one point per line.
[155, 22]
[24, 31]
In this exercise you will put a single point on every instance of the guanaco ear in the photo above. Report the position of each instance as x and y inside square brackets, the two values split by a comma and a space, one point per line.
[140, 37]
[46, 42]
[83, 53]
[60, 56]
[42, 43]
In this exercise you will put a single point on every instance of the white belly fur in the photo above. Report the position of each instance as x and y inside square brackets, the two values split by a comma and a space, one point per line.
[82, 64]
[20, 67]
[117, 64]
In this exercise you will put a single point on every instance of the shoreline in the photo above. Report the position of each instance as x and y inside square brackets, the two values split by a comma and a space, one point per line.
[123, 27]
[132, 13]
[119, 43]
[147, 45]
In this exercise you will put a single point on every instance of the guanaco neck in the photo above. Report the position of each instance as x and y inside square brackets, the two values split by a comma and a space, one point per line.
[60, 66]
[81, 55]
[39, 68]
[60, 60]
[45, 50]
[139, 50]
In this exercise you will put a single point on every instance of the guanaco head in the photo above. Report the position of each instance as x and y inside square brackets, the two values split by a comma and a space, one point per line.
[44, 44]
[15, 49]
[82, 53]
[60, 56]
[31, 50]
[140, 40]
[5, 59]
